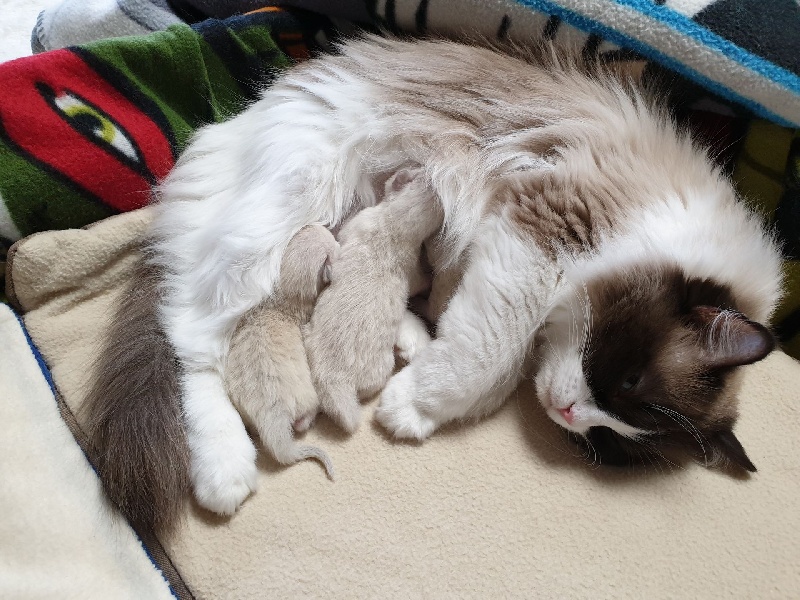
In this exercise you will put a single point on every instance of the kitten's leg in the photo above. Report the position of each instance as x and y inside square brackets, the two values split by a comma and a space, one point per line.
[478, 357]
[307, 404]
[412, 336]
[340, 402]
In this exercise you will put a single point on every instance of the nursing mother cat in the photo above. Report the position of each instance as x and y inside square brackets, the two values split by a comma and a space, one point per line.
[591, 229]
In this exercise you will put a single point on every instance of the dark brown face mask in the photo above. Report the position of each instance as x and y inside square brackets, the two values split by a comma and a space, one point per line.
[660, 357]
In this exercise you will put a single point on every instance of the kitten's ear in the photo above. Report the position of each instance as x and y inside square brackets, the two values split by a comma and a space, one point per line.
[729, 339]
[400, 179]
[327, 271]
[727, 447]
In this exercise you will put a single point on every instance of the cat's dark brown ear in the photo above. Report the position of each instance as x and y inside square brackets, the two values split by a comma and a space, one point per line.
[726, 445]
[729, 339]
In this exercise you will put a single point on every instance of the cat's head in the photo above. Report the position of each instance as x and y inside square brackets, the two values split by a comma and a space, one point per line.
[306, 263]
[645, 361]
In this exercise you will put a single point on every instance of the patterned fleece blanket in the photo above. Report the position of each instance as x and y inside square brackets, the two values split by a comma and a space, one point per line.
[745, 52]
[86, 131]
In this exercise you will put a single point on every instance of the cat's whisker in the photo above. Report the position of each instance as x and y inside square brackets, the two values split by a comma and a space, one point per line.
[640, 461]
[596, 458]
[687, 425]
[647, 451]
[672, 465]
[655, 420]
[651, 446]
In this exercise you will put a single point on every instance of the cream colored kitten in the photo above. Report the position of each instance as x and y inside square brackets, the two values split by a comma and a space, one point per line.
[361, 318]
[267, 373]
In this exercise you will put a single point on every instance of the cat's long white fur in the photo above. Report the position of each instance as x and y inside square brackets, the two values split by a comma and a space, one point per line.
[312, 150]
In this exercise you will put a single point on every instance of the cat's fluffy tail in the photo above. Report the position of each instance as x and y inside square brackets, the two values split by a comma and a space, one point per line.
[134, 412]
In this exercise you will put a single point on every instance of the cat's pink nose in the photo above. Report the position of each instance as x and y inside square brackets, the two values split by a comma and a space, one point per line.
[567, 413]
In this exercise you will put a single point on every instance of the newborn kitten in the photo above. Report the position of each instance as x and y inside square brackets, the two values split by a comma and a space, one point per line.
[362, 315]
[266, 373]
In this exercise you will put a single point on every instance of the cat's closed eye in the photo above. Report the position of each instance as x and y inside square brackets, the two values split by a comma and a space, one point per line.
[631, 382]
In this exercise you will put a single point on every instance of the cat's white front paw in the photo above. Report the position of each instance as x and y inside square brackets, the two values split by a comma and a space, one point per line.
[224, 472]
[412, 337]
[397, 411]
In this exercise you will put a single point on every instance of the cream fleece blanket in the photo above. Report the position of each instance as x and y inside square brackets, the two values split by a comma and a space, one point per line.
[504, 508]
[57, 538]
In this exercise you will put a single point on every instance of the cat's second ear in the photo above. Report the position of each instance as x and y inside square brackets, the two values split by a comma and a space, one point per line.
[729, 339]
[327, 271]
[728, 450]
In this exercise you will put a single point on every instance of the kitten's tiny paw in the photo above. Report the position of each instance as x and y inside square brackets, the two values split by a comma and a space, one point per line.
[304, 422]
[224, 474]
[397, 411]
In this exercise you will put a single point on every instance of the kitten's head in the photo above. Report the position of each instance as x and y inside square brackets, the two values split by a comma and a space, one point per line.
[645, 361]
[306, 263]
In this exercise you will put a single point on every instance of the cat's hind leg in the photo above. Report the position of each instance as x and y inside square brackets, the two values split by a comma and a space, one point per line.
[222, 457]
[482, 338]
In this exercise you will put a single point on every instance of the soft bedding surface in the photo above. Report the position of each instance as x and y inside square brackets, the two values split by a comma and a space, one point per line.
[58, 538]
[505, 508]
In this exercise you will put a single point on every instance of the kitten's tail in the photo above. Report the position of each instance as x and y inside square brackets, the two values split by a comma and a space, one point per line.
[134, 412]
[279, 440]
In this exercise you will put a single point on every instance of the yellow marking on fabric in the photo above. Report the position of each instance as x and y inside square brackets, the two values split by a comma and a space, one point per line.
[107, 132]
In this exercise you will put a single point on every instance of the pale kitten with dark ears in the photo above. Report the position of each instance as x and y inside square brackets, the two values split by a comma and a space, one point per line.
[361, 318]
[590, 229]
[266, 373]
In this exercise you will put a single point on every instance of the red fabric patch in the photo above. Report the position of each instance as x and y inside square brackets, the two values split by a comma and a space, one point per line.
[61, 114]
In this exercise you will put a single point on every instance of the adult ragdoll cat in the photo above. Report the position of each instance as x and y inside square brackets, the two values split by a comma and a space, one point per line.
[585, 219]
